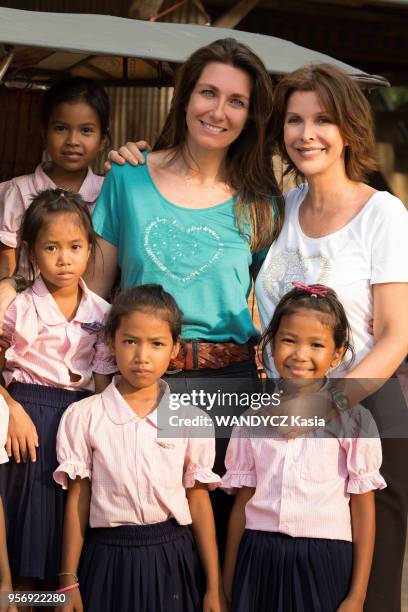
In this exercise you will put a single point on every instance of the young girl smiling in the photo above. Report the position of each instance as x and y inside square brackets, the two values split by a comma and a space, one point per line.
[303, 518]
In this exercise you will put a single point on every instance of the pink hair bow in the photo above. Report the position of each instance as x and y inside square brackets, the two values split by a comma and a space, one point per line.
[314, 290]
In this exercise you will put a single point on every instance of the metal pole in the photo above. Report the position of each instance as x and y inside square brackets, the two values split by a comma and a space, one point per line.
[6, 63]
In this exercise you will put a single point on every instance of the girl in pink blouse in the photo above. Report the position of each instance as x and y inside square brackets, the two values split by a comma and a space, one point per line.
[53, 353]
[75, 120]
[138, 489]
[301, 532]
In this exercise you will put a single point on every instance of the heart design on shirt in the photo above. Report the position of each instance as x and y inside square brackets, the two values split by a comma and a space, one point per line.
[182, 254]
[291, 265]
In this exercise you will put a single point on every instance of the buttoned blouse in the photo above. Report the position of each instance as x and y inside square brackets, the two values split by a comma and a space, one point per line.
[303, 485]
[43, 348]
[16, 196]
[137, 477]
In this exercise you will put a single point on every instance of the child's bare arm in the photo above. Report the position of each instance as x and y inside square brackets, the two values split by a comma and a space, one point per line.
[8, 260]
[76, 521]
[363, 528]
[204, 534]
[5, 576]
[236, 528]
[22, 435]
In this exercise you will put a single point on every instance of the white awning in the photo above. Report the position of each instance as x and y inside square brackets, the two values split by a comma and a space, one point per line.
[94, 44]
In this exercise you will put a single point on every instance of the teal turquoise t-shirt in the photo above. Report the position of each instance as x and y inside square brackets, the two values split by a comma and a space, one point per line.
[197, 255]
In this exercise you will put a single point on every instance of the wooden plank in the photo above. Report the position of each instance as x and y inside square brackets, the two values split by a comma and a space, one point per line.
[231, 18]
[144, 9]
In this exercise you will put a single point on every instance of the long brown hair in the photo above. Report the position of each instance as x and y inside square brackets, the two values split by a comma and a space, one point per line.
[345, 103]
[259, 201]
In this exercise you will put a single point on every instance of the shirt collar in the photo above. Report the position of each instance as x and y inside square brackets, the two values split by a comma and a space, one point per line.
[42, 180]
[47, 307]
[89, 190]
[119, 410]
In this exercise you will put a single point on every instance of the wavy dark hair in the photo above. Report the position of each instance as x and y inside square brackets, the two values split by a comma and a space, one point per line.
[343, 100]
[327, 304]
[259, 200]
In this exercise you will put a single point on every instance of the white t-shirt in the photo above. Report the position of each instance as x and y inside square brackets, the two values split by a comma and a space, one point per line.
[372, 248]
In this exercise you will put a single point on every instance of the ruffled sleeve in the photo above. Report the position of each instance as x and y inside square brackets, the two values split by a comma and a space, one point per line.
[4, 418]
[74, 452]
[364, 456]
[239, 461]
[199, 461]
[12, 209]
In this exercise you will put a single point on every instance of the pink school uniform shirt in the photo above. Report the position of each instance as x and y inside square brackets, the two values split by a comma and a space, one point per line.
[16, 195]
[137, 478]
[43, 348]
[303, 485]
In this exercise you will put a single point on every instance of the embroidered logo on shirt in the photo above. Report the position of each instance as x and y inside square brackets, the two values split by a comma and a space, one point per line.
[165, 444]
[291, 265]
[92, 328]
[173, 248]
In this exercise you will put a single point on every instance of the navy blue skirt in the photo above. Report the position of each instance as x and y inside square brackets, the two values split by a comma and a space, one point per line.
[278, 573]
[141, 567]
[34, 503]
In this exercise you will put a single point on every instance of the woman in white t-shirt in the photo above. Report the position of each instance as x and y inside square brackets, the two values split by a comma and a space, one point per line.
[341, 232]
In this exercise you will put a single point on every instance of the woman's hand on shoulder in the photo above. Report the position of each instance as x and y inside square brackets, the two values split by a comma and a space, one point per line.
[130, 152]
[7, 295]
[22, 437]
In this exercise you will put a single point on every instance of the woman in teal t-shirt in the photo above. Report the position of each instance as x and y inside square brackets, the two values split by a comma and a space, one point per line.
[197, 216]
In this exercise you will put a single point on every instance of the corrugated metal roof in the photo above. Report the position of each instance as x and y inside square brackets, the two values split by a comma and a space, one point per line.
[102, 35]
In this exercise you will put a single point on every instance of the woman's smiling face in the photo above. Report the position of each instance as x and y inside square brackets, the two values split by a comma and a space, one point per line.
[218, 107]
[312, 140]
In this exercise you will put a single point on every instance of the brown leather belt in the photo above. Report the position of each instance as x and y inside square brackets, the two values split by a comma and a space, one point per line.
[196, 355]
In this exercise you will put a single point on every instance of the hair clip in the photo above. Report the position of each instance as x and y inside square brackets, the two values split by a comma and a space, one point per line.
[314, 290]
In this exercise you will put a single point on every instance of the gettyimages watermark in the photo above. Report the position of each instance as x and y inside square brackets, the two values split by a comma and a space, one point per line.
[208, 407]
[208, 400]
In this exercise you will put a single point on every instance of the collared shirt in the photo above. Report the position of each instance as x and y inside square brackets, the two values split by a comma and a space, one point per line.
[303, 485]
[45, 349]
[16, 196]
[4, 417]
[137, 477]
